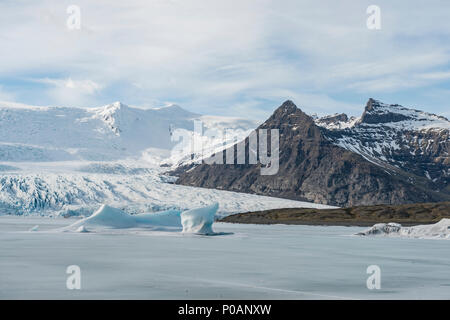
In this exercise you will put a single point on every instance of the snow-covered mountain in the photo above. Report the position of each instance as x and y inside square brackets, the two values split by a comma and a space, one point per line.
[389, 155]
[392, 135]
[112, 132]
[68, 161]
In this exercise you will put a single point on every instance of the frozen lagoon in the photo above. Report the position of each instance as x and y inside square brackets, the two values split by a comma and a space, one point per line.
[254, 262]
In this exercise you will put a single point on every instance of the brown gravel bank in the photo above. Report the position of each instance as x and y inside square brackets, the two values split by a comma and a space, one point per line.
[407, 214]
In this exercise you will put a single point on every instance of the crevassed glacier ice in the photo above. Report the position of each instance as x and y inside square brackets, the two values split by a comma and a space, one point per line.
[439, 230]
[199, 220]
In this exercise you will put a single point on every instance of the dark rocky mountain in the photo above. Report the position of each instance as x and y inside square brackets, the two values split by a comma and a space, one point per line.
[414, 141]
[390, 155]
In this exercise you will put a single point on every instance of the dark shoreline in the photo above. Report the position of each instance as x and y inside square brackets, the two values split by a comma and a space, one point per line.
[362, 216]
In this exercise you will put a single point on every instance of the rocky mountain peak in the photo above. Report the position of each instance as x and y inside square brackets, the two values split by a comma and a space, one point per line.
[286, 109]
[378, 112]
[395, 115]
[288, 105]
[288, 114]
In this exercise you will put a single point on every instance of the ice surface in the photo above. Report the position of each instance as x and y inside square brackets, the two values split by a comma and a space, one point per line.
[199, 220]
[255, 262]
[439, 230]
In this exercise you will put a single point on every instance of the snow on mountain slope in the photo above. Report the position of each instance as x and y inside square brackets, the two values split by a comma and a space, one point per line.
[336, 121]
[391, 135]
[390, 115]
[111, 132]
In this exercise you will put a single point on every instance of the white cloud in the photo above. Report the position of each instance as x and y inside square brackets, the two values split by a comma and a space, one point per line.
[6, 96]
[82, 86]
[69, 92]
[321, 104]
[211, 54]
[436, 75]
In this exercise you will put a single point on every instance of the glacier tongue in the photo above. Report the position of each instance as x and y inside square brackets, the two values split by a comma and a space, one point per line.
[72, 190]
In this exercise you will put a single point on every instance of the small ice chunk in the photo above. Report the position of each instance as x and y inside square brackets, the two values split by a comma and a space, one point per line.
[82, 229]
[35, 228]
[199, 220]
[439, 230]
[382, 228]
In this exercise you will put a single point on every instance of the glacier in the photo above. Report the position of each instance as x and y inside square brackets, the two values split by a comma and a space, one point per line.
[108, 133]
[114, 154]
[78, 188]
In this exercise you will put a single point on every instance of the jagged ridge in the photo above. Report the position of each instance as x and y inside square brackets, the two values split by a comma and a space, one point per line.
[391, 135]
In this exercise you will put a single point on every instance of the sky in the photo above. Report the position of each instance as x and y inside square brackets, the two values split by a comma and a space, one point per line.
[234, 58]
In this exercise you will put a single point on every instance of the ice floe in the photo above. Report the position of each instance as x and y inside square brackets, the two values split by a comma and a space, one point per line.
[198, 221]
[439, 230]
[110, 217]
